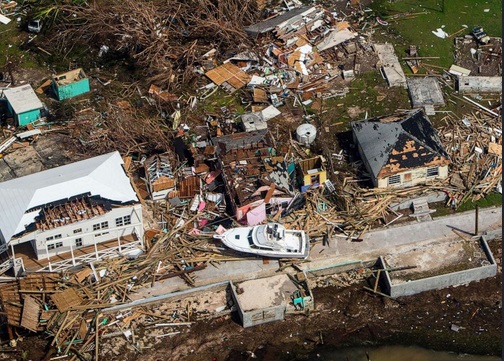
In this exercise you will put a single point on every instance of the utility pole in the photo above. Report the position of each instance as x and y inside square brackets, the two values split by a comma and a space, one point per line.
[476, 221]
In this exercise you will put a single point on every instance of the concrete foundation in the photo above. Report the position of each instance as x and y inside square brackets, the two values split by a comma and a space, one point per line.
[265, 300]
[411, 287]
[425, 91]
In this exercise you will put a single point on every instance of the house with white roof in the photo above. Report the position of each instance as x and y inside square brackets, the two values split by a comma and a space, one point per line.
[70, 215]
[23, 104]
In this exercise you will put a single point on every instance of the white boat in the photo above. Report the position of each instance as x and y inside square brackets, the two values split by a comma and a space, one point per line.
[269, 240]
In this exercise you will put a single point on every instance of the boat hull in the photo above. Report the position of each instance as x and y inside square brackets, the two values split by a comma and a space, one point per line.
[240, 239]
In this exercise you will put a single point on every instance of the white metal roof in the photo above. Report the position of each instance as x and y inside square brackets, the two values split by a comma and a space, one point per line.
[102, 175]
[22, 98]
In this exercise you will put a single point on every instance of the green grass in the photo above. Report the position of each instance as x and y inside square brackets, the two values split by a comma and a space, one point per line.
[11, 38]
[491, 200]
[221, 99]
[450, 13]
[9, 42]
[364, 91]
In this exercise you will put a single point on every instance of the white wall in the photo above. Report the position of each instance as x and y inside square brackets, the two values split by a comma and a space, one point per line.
[418, 176]
[88, 236]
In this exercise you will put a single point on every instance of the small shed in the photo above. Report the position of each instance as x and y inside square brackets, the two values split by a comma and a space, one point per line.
[23, 103]
[70, 84]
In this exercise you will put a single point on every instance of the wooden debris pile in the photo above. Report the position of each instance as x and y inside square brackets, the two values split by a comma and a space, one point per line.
[474, 144]
[68, 306]
[165, 39]
[317, 216]
[349, 211]
[363, 209]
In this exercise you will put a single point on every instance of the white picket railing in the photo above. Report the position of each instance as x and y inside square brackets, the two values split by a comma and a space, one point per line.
[4, 267]
[120, 250]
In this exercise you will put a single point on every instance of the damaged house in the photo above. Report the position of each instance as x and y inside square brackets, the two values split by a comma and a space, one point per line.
[253, 174]
[159, 176]
[400, 150]
[68, 215]
[23, 104]
[70, 84]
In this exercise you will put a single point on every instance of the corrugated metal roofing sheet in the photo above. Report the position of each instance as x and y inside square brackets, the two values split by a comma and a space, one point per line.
[22, 98]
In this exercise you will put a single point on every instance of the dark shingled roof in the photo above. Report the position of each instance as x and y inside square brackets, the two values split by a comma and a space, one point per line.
[394, 143]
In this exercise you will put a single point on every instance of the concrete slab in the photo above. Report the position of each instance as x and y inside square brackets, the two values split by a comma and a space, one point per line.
[23, 161]
[235, 270]
[390, 65]
[265, 292]
[425, 91]
[383, 241]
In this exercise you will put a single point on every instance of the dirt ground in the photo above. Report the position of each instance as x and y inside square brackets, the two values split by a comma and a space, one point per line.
[343, 316]
[448, 257]
[488, 63]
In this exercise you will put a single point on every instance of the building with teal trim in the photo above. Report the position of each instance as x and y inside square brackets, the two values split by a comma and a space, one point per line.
[23, 104]
[70, 84]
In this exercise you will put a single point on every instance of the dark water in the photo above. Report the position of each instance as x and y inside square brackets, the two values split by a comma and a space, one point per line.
[394, 353]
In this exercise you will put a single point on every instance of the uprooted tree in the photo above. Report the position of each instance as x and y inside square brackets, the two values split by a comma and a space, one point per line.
[164, 38]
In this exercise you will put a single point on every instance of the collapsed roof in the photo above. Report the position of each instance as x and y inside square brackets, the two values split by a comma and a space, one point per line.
[394, 143]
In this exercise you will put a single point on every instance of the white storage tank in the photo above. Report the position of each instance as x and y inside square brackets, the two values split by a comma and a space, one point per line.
[306, 134]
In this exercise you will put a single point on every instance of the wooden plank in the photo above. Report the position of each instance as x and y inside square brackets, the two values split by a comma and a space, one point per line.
[31, 312]
[270, 193]
[83, 329]
[81, 275]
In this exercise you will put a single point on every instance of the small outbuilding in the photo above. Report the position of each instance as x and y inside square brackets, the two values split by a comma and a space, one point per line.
[401, 150]
[23, 104]
[70, 84]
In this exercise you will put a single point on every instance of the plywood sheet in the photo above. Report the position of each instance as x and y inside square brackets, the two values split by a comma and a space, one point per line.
[11, 302]
[41, 282]
[229, 73]
[494, 148]
[66, 299]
